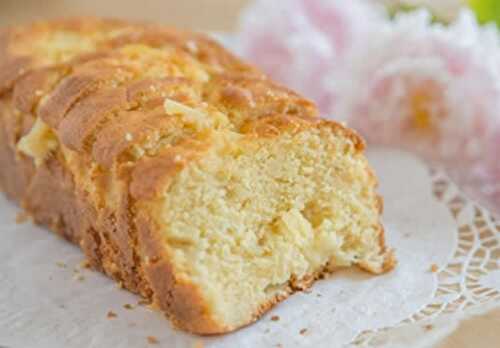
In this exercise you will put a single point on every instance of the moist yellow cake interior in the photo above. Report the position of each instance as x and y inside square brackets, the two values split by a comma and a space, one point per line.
[253, 215]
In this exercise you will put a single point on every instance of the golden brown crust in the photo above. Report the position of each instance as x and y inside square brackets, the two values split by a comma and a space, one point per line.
[256, 97]
[31, 87]
[10, 70]
[274, 125]
[197, 45]
[16, 172]
[190, 314]
[86, 79]
[101, 105]
[115, 138]
[152, 175]
[83, 118]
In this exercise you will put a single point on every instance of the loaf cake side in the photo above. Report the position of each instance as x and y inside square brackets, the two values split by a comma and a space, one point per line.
[183, 173]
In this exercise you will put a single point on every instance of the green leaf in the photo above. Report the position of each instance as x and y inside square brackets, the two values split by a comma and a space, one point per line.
[398, 8]
[486, 10]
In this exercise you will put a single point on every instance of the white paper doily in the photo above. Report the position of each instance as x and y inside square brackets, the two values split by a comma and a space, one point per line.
[47, 300]
[470, 282]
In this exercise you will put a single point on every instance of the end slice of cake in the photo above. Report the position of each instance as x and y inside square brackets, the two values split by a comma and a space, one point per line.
[247, 219]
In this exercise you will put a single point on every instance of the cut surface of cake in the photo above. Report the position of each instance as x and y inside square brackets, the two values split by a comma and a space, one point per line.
[183, 173]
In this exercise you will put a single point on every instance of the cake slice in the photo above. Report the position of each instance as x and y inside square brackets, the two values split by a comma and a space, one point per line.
[183, 173]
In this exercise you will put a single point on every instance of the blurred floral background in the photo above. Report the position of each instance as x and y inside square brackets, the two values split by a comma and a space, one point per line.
[420, 75]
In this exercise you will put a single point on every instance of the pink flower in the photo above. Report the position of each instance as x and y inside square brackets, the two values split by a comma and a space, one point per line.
[428, 88]
[299, 41]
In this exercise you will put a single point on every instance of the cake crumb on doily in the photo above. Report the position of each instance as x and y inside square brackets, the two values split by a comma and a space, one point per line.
[198, 344]
[61, 264]
[79, 277]
[85, 264]
[143, 302]
[111, 315]
[152, 340]
[22, 217]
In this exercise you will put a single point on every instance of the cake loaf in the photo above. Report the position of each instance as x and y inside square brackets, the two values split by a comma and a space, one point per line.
[184, 174]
